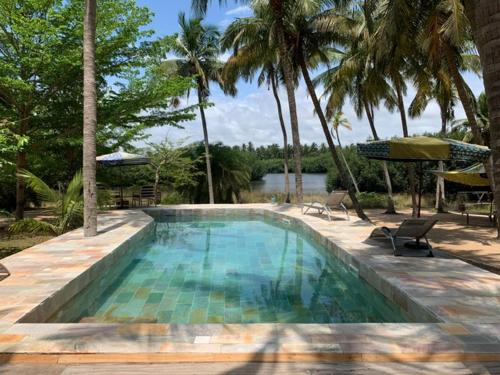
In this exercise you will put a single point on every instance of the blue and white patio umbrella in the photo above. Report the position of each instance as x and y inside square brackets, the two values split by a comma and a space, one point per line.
[120, 158]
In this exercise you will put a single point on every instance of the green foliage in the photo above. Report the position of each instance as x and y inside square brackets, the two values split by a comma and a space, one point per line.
[173, 197]
[230, 173]
[66, 204]
[372, 200]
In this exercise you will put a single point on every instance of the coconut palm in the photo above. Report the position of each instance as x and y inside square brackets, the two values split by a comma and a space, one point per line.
[445, 40]
[357, 76]
[484, 14]
[255, 53]
[67, 206]
[314, 32]
[436, 86]
[277, 9]
[89, 121]
[338, 120]
[198, 50]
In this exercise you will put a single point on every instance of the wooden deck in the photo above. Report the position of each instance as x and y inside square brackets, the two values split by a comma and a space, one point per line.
[419, 368]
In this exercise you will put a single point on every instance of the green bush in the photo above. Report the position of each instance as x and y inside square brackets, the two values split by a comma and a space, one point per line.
[372, 200]
[173, 198]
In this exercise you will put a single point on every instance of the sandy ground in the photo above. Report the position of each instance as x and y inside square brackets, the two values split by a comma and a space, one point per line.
[475, 243]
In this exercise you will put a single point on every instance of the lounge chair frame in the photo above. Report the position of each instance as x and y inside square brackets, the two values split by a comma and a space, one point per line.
[402, 232]
[326, 207]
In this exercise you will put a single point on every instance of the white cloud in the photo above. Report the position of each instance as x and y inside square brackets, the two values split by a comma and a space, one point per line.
[242, 10]
[253, 117]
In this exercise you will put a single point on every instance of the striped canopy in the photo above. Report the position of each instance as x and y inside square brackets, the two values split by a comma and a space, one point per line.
[423, 149]
[122, 158]
[474, 175]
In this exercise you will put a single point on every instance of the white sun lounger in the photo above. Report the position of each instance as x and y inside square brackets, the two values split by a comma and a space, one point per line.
[409, 228]
[333, 202]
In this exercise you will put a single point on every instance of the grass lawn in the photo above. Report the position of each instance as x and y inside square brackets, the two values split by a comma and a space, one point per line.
[11, 244]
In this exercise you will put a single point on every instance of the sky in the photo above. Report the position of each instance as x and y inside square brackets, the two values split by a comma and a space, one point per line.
[251, 116]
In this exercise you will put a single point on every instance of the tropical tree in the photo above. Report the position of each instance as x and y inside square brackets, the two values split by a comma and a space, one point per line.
[66, 204]
[172, 165]
[277, 8]
[338, 120]
[314, 32]
[358, 77]
[255, 53]
[89, 120]
[198, 49]
[444, 38]
[484, 14]
[231, 174]
[438, 86]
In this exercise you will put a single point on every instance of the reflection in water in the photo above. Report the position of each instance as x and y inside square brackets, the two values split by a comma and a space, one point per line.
[232, 271]
[275, 183]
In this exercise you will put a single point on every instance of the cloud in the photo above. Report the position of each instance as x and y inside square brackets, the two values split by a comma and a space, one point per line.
[253, 117]
[242, 10]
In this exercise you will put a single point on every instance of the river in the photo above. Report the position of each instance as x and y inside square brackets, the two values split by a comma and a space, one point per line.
[275, 182]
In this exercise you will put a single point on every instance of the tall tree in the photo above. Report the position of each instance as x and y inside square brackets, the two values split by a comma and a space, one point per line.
[43, 100]
[89, 120]
[198, 48]
[278, 11]
[484, 15]
[255, 53]
[314, 34]
[338, 121]
[277, 8]
[357, 76]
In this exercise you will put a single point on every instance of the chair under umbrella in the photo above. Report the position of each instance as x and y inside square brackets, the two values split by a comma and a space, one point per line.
[121, 159]
[420, 149]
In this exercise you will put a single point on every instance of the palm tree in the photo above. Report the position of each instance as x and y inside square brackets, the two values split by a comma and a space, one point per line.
[89, 121]
[314, 32]
[254, 50]
[277, 8]
[484, 15]
[198, 48]
[438, 86]
[338, 120]
[67, 205]
[445, 40]
[357, 76]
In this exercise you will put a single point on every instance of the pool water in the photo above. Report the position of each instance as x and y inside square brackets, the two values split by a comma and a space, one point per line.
[253, 270]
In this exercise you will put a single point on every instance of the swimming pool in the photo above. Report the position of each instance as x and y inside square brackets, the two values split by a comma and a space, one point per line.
[250, 269]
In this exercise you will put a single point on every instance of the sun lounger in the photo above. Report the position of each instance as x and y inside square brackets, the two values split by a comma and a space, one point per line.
[333, 202]
[410, 229]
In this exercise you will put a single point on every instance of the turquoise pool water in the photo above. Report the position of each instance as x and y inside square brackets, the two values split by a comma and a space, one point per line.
[208, 270]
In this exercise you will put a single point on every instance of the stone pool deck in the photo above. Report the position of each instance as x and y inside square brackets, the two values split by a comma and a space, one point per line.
[457, 303]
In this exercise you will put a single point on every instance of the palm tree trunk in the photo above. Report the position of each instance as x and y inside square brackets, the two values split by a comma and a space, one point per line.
[465, 98]
[411, 166]
[285, 137]
[89, 121]
[391, 207]
[487, 34]
[319, 111]
[353, 179]
[21, 164]
[207, 148]
[440, 194]
[277, 9]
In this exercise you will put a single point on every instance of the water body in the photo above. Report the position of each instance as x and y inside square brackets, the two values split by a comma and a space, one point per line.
[275, 182]
[237, 270]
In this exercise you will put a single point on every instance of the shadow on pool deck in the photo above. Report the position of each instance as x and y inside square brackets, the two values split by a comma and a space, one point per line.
[475, 244]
